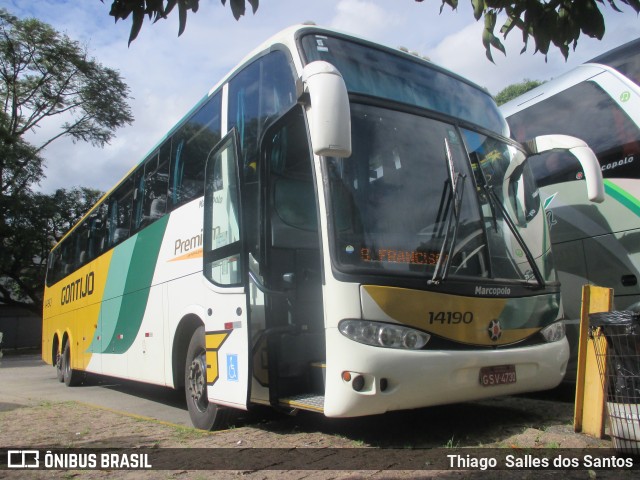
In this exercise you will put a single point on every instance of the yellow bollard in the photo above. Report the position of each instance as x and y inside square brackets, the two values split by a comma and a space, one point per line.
[589, 407]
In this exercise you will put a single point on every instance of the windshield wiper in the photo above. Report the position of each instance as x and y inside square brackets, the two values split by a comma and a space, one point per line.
[494, 202]
[456, 180]
[485, 186]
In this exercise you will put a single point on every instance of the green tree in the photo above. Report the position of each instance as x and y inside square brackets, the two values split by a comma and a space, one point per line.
[34, 222]
[515, 90]
[548, 22]
[157, 9]
[45, 76]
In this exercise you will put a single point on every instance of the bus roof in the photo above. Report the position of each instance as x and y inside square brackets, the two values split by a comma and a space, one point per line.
[611, 57]
[617, 59]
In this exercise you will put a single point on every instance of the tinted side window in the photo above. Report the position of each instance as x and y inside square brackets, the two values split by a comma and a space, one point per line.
[222, 254]
[258, 95]
[67, 260]
[138, 197]
[587, 112]
[82, 253]
[151, 183]
[87, 242]
[290, 167]
[54, 268]
[98, 227]
[119, 216]
[157, 184]
[191, 145]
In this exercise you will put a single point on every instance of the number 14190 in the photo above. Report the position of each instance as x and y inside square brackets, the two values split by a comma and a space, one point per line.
[450, 318]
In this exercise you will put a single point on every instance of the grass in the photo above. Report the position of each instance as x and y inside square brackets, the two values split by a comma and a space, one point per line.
[451, 443]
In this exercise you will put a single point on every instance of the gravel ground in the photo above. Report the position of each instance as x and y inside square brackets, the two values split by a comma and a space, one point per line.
[488, 429]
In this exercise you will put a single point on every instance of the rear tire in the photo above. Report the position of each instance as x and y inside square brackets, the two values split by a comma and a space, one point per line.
[204, 415]
[59, 369]
[71, 377]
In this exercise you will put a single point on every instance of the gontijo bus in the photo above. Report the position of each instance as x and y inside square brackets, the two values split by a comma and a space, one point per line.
[337, 227]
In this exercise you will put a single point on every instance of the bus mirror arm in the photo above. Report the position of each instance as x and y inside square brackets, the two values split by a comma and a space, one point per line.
[580, 150]
[592, 173]
[322, 91]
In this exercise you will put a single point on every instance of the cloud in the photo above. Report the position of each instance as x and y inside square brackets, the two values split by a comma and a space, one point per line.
[364, 18]
[463, 53]
[166, 75]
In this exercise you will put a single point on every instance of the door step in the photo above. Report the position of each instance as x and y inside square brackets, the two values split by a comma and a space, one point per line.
[305, 401]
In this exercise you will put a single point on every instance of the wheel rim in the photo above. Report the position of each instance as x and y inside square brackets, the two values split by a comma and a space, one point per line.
[198, 382]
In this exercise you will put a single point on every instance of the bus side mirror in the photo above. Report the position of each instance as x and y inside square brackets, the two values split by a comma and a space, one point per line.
[328, 108]
[580, 150]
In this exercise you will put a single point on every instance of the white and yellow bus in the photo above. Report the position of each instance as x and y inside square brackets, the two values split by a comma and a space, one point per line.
[338, 227]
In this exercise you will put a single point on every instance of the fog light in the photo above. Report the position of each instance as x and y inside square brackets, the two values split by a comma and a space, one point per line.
[384, 384]
[358, 383]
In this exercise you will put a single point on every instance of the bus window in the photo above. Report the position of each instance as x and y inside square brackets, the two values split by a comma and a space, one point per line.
[151, 183]
[119, 219]
[401, 78]
[222, 261]
[138, 197]
[257, 96]
[585, 111]
[53, 267]
[157, 183]
[191, 145]
[81, 245]
[98, 235]
[67, 259]
[293, 190]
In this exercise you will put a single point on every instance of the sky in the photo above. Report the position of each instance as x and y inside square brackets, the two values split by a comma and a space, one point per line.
[167, 74]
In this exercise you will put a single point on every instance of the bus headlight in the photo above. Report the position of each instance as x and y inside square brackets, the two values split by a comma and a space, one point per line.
[554, 332]
[383, 334]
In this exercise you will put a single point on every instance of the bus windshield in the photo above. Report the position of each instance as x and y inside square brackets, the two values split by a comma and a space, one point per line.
[395, 211]
[378, 73]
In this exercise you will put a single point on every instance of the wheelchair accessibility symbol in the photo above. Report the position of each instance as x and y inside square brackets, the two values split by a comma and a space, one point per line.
[232, 367]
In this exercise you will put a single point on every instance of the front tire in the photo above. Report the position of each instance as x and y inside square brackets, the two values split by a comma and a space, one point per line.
[204, 415]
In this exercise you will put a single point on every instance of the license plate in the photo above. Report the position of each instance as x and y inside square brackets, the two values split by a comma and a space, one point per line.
[498, 375]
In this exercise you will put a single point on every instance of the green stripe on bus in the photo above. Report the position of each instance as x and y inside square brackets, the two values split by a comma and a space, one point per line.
[112, 296]
[122, 316]
[622, 196]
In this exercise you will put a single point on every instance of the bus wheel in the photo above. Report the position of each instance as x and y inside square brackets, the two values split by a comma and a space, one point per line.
[59, 369]
[70, 376]
[204, 415]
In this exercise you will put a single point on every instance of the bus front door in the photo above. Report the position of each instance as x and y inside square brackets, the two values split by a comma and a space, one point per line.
[286, 275]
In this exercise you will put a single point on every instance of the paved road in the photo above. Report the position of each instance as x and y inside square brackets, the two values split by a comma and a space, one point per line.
[27, 380]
